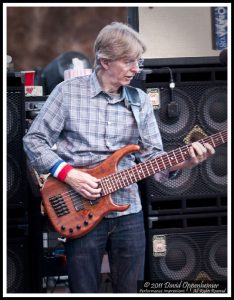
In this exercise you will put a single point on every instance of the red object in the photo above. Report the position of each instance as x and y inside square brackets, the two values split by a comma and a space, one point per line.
[63, 173]
[29, 78]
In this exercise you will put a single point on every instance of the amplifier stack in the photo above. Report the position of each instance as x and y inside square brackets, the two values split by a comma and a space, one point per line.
[186, 216]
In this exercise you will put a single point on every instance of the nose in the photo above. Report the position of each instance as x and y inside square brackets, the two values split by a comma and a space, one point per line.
[135, 67]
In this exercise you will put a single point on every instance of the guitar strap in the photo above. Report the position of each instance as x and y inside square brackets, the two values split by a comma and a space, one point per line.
[132, 99]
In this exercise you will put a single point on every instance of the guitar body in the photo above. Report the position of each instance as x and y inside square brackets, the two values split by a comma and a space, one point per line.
[73, 216]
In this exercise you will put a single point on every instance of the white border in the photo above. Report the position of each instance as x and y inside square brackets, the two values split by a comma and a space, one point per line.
[5, 5]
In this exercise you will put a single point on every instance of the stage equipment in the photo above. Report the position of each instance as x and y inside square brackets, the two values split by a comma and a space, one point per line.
[53, 73]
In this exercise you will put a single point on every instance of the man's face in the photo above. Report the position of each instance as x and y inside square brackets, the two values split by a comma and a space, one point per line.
[122, 71]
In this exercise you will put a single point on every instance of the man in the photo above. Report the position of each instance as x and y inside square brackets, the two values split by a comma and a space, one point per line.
[89, 118]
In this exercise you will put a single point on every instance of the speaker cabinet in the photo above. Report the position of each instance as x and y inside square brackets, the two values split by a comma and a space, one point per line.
[23, 270]
[18, 265]
[16, 163]
[189, 247]
[186, 216]
[196, 107]
[23, 261]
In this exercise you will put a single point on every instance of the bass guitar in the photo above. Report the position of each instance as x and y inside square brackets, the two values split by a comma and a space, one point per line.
[73, 216]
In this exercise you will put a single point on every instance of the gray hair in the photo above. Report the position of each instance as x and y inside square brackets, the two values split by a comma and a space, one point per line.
[117, 40]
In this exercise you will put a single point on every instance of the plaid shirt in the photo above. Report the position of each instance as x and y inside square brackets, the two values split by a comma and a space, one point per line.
[87, 125]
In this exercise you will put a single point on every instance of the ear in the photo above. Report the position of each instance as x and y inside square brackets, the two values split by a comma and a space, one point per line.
[105, 63]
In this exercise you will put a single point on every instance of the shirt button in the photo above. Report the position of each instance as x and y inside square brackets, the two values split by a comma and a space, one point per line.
[109, 123]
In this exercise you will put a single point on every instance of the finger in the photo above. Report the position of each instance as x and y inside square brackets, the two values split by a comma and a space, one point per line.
[209, 148]
[197, 154]
[95, 179]
[192, 153]
[91, 184]
[200, 150]
[91, 190]
[85, 178]
[91, 196]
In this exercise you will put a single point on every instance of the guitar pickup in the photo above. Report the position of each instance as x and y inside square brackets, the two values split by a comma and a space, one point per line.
[59, 205]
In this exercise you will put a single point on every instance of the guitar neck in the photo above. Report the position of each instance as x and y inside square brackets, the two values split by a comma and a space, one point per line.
[160, 163]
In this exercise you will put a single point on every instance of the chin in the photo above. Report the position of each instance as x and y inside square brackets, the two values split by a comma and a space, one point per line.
[127, 81]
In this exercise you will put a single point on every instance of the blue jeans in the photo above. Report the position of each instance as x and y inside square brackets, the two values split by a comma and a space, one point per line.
[124, 240]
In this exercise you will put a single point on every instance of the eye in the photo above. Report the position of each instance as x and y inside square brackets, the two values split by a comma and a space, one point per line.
[128, 62]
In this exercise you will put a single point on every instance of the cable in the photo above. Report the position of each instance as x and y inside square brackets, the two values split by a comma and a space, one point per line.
[172, 107]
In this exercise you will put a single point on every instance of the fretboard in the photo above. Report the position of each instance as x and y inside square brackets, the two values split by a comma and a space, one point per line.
[160, 163]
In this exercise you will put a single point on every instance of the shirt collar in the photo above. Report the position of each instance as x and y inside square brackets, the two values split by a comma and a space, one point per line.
[95, 85]
[97, 89]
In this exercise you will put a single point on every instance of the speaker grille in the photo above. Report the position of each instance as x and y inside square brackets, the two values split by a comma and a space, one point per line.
[214, 170]
[212, 109]
[23, 228]
[198, 104]
[216, 252]
[174, 128]
[15, 271]
[182, 260]
[16, 161]
[202, 110]
[208, 179]
[188, 254]
[13, 116]
[193, 244]
[17, 266]
[14, 178]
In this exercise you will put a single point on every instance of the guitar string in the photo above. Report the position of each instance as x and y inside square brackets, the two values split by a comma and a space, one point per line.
[75, 196]
[181, 154]
[146, 164]
[79, 202]
[73, 193]
[113, 176]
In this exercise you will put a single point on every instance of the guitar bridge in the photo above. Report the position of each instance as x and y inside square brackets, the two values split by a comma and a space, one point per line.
[59, 205]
